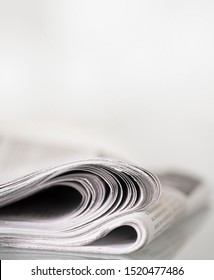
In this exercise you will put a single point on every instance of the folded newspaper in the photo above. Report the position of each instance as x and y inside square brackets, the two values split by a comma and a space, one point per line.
[93, 205]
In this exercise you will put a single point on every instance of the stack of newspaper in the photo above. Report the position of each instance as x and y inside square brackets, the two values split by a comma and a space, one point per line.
[55, 199]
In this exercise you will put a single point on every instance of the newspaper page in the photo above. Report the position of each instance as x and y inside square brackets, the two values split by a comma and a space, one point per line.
[53, 198]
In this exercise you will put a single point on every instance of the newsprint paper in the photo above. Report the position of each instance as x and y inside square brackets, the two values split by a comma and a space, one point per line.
[61, 199]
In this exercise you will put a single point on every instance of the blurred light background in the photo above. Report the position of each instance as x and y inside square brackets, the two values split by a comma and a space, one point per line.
[136, 74]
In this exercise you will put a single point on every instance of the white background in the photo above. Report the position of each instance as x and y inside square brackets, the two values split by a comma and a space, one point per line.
[137, 73]
[133, 76]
